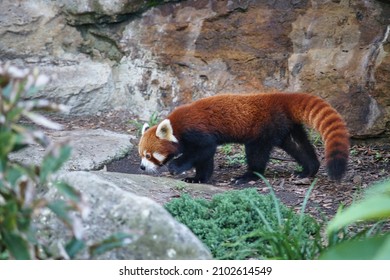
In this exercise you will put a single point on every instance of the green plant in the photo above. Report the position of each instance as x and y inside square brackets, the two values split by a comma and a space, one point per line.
[275, 161]
[315, 137]
[227, 149]
[378, 155]
[234, 156]
[354, 152]
[237, 159]
[180, 186]
[153, 120]
[368, 242]
[244, 224]
[298, 169]
[153, 3]
[20, 184]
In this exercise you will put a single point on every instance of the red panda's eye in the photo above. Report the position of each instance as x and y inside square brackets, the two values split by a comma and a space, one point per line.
[148, 156]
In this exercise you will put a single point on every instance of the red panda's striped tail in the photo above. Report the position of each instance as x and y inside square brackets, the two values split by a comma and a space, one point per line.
[317, 113]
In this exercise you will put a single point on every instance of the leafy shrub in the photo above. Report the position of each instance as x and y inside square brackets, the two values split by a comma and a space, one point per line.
[20, 184]
[244, 224]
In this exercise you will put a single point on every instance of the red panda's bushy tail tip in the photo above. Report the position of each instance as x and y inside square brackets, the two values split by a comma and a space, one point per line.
[336, 165]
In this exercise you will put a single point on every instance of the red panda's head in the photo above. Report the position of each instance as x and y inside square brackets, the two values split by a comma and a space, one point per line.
[157, 145]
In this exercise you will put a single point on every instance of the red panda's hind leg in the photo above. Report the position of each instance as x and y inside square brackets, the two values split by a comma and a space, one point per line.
[297, 145]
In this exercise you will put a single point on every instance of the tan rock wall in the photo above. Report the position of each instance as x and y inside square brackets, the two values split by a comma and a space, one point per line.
[127, 54]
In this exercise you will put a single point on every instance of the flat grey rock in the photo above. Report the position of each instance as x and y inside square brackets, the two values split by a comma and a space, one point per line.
[91, 149]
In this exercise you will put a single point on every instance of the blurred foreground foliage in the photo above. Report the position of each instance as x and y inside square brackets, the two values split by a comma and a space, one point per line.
[20, 183]
[372, 215]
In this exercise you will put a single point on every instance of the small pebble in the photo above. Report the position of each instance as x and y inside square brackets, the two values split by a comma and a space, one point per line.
[357, 179]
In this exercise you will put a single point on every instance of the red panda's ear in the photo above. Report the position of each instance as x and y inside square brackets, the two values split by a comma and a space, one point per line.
[144, 128]
[165, 131]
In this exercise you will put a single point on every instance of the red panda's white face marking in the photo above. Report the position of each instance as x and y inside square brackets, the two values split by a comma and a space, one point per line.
[159, 157]
[148, 165]
[157, 145]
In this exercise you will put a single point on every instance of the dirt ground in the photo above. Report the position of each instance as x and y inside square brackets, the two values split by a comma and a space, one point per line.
[368, 164]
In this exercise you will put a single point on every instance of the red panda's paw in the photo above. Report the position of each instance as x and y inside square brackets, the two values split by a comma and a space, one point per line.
[193, 180]
[246, 178]
[310, 170]
[303, 174]
[178, 166]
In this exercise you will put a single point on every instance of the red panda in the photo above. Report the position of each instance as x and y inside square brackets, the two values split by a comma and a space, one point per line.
[190, 134]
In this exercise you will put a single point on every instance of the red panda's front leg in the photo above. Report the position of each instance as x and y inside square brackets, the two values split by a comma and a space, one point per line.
[204, 170]
[180, 164]
[194, 155]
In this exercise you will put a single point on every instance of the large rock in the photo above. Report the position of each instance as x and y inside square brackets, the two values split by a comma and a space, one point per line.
[105, 57]
[91, 149]
[104, 11]
[332, 49]
[35, 34]
[155, 234]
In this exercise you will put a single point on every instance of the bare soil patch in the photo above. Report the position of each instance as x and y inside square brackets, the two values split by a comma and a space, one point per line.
[368, 164]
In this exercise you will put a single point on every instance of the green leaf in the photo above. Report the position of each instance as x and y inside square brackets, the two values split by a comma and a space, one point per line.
[372, 208]
[68, 190]
[61, 209]
[42, 120]
[7, 91]
[373, 248]
[273, 195]
[7, 140]
[305, 203]
[116, 240]
[14, 114]
[13, 174]
[9, 213]
[73, 247]
[17, 246]
[382, 188]
[52, 162]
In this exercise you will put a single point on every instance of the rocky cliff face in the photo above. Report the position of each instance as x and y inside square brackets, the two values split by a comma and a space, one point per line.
[146, 57]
